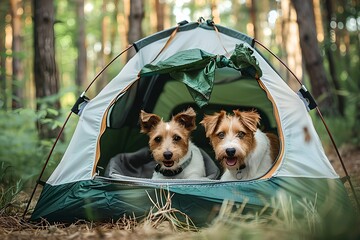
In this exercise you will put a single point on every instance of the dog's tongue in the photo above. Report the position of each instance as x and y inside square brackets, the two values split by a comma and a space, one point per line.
[231, 161]
[168, 163]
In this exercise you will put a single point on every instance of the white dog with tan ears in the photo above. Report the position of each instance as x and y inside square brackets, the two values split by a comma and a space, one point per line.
[176, 156]
[244, 151]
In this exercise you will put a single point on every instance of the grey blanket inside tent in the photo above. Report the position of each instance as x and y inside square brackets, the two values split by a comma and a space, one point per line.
[140, 164]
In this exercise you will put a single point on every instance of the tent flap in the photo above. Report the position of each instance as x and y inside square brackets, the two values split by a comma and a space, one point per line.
[196, 69]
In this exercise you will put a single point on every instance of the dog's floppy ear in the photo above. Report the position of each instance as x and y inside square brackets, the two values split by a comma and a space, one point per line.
[186, 118]
[211, 121]
[148, 121]
[250, 119]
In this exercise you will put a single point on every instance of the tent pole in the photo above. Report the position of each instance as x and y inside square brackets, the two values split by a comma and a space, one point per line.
[107, 65]
[281, 61]
[340, 158]
[62, 129]
[167, 43]
[323, 121]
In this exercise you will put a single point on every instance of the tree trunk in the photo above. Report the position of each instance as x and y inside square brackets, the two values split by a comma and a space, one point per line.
[102, 80]
[3, 94]
[290, 44]
[45, 70]
[113, 30]
[235, 11]
[81, 45]
[215, 11]
[17, 68]
[160, 7]
[123, 26]
[312, 56]
[330, 57]
[253, 18]
[135, 19]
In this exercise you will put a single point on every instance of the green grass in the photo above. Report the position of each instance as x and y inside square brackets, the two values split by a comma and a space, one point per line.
[341, 129]
[9, 188]
[165, 222]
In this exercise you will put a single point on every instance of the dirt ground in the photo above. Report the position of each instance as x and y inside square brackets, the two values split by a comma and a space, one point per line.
[351, 160]
[12, 227]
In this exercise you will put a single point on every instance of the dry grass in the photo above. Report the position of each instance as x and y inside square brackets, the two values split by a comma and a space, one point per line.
[162, 211]
[162, 222]
[351, 158]
[165, 222]
[279, 224]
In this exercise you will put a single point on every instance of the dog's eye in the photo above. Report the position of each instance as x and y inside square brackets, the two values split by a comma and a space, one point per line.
[176, 138]
[241, 134]
[157, 139]
[221, 135]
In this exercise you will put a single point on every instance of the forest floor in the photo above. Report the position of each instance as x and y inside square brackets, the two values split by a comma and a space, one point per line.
[12, 227]
[351, 159]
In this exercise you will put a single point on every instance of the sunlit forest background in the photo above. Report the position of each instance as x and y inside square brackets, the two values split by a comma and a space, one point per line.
[50, 50]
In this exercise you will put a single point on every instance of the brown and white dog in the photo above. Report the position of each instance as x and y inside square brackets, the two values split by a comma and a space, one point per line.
[244, 151]
[176, 156]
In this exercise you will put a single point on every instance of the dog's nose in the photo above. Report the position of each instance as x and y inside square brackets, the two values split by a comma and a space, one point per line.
[230, 152]
[167, 155]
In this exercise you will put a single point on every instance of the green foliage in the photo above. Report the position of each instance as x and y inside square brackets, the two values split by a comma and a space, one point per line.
[23, 153]
[9, 187]
[21, 147]
[338, 127]
[47, 114]
[19, 141]
[342, 128]
[280, 222]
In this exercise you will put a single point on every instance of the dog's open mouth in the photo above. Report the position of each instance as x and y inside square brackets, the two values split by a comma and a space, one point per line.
[231, 161]
[168, 163]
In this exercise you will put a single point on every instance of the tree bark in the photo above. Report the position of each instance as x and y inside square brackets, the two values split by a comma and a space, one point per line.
[123, 25]
[17, 67]
[235, 11]
[312, 56]
[160, 7]
[81, 73]
[330, 57]
[113, 30]
[215, 11]
[45, 70]
[3, 94]
[290, 44]
[135, 19]
[102, 80]
[253, 16]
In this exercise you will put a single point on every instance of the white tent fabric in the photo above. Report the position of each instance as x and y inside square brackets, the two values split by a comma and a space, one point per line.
[299, 158]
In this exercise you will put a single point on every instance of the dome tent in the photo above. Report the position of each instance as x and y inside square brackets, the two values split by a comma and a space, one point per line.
[193, 64]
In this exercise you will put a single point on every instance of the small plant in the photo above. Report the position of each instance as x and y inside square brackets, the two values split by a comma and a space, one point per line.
[163, 211]
[8, 188]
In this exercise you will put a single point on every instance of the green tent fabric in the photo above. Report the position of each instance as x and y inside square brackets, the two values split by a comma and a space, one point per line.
[196, 69]
[101, 200]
